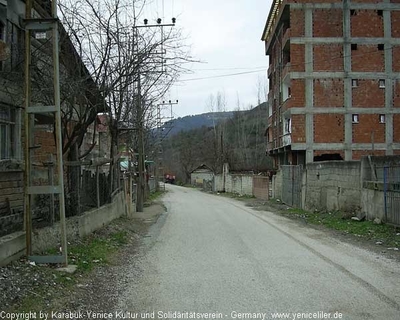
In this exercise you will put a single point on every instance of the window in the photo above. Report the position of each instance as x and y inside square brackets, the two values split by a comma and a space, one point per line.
[2, 31]
[354, 46]
[354, 83]
[379, 13]
[353, 12]
[381, 83]
[288, 126]
[355, 118]
[381, 47]
[7, 132]
[382, 118]
[2, 38]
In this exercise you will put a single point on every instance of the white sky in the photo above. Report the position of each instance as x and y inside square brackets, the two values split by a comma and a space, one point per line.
[225, 35]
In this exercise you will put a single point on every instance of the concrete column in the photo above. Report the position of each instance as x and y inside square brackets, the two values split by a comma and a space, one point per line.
[309, 86]
[387, 26]
[348, 124]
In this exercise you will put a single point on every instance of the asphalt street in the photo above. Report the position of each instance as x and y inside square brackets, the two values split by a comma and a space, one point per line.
[211, 256]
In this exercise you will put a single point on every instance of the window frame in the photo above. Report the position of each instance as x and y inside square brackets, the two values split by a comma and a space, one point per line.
[8, 132]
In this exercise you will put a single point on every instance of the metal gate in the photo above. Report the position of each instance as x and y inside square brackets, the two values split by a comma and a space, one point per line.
[391, 188]
[291, 185]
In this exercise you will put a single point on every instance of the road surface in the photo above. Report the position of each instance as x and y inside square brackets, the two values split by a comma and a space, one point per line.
[212, 256]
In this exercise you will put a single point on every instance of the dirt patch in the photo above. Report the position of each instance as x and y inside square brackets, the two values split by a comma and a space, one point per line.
[25, 286]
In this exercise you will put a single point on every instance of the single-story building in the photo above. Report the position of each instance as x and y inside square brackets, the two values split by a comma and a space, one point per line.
[200, 174]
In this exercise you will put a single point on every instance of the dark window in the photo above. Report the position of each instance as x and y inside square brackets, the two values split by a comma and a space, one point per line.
[380, 13]
[2, 31]
[7, 132]
[353, 12]
[354, 46]
[381, 46]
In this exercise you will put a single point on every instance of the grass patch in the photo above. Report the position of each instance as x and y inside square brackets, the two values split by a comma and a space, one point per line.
[94, 250]
[338, 221]
[154, 196]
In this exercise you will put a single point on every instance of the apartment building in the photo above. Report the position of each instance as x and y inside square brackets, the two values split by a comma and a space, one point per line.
[334, 79]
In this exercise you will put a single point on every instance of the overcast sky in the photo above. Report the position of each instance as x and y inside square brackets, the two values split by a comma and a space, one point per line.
[226, 36]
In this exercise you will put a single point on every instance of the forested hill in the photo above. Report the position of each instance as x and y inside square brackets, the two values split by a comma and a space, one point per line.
[238, 140]
[197, 121]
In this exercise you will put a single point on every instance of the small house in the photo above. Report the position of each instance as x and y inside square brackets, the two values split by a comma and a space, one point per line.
[201, 174]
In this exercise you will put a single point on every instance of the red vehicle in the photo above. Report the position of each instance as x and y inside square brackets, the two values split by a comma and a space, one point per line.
[169, 178]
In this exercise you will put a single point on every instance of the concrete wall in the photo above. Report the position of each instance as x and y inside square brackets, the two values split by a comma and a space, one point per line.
[234, 183]
[277, 185]
[373, 201]
[13, 246]
[218, 183]
[197, 177]
[333, 185]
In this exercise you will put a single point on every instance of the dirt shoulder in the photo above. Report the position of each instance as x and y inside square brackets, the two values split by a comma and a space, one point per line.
[381, 239]
[95, 285]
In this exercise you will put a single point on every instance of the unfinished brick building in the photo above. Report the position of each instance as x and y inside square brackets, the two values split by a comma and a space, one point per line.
[334, 79]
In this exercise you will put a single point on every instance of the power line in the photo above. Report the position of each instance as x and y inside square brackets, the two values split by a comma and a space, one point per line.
[225, 75]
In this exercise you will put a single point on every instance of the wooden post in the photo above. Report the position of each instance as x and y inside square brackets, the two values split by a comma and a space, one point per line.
[97, 187]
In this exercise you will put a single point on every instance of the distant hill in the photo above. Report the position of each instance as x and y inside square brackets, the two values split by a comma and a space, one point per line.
[188, 123]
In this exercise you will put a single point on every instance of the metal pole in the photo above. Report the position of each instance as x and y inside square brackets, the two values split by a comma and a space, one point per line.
[385, 190]
[140, 190]
[27, 176]
[51, 182]
[58, 134]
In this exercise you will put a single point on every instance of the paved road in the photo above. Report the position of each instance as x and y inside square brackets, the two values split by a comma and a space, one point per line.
[211, 254]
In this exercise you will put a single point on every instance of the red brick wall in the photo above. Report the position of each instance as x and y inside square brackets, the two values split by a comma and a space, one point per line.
[396, 128]
[328, 93]
[297, 57]
[328, 128]
[357, 154]
[396, 56]
[297, 23]
[328, 57]
[395, 23]
[298, 128]
[366, 23]
[396, 94]
[368, 123]
[297, 87]
[367, 58]
[328, 23]
[368, 94]
[367, 1]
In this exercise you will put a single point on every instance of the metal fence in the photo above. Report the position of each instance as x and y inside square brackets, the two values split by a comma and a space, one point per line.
[391, 189]
[291, 185]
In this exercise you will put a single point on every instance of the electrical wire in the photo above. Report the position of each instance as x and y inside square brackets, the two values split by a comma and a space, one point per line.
[292, 65]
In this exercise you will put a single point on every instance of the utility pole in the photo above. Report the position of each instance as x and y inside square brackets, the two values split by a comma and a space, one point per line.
[160, 138]
[140, 114]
